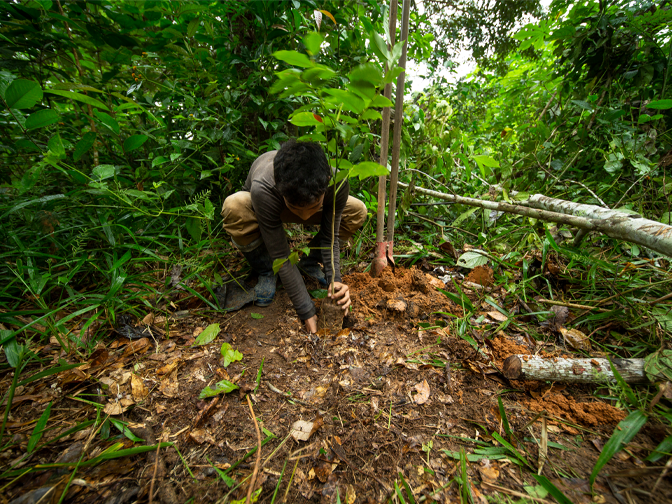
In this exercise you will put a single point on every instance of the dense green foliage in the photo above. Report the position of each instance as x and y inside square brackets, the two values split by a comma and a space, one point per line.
[125, 124]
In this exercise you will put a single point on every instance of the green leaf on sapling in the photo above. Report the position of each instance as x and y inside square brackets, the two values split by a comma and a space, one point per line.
[349, 99]
[222, 387]
[367, 72]
[368, 169]
[294, 58]
[229, 355]
[256, 315]
[313, 41]
[305, 119]
[208, 334]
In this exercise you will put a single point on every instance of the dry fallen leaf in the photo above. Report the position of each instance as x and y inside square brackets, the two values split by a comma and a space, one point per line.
[576, 339]
[499, 317]
[115, 408]
[302, 430]
[200, 436]
[489, 471]
[167, 369]
[423, 392]
[138, 388]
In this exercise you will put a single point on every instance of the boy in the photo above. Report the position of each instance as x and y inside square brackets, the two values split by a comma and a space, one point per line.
[290, 185]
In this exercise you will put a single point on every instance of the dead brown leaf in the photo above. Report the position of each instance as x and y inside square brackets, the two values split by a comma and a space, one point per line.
[423, 392]
[302, 430]
[138, 388]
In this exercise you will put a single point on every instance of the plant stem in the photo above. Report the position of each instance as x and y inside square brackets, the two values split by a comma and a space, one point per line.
[12, 388]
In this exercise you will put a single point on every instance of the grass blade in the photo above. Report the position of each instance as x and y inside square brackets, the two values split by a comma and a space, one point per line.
[39, 429]
[624, 432]
[552, 489]
[505, 420]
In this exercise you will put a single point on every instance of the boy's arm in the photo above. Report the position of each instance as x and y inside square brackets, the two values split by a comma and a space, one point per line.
[267, 208]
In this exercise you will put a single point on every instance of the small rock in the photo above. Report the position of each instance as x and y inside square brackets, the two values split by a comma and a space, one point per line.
[396, 305]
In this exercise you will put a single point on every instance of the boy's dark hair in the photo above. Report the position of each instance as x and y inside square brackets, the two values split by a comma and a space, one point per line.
[301, 172]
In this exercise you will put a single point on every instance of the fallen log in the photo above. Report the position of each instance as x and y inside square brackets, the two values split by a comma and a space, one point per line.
[532, 367]
[612, 223]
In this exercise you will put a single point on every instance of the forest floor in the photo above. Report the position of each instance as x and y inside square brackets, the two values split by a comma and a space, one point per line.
[396, 406]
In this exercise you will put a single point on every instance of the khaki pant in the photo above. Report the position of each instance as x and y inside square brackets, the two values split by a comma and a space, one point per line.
[240, 221]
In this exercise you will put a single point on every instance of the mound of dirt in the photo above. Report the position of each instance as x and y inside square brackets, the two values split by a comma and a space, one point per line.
[405, 292]
[583, 413]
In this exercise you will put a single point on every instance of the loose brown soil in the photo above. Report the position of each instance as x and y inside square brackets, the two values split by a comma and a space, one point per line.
[385, 395]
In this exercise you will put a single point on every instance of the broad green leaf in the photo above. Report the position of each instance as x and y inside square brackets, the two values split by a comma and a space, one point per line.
[317, 74]
[208, 334]
[305, 119]
[313, 41]
[229, 355]
[488, 161]
[660, 104]
[79, 97]
[584, 105]
[372, 115]
[222, 387]
[666, 218]
[277, 264]
[102, 172]
[84, 145]
[392, 74]
[471, 260]
[41, 118]
[379, 46]
[367, 72]
[259, 315]
[193, 26]
[396, 53]
[22, 94]
[39, 429]
[381, 101]
[158, 161]
[12, 349]
[56, 146]
[368, 169]
[133, 142]
[294, 58]
[350, 100]
[107, 120]
[623, 434]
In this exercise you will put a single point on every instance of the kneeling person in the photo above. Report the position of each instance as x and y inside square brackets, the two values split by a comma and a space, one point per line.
[292, 185]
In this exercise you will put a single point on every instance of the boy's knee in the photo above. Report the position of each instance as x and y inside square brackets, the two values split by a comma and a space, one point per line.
[236, 205]
[357, 212]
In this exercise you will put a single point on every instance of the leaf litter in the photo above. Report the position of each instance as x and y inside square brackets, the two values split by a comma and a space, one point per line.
[397, 392]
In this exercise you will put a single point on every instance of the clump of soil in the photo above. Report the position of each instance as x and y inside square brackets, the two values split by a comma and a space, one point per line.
[407, 292]
[330, 317]
[481, 275]
[503, 347]
[584, 413]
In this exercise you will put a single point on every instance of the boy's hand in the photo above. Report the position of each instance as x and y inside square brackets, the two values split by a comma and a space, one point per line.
[341, 295]
[311, 324]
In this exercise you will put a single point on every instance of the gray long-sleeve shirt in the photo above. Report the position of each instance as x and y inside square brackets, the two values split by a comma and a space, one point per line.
[269, 205]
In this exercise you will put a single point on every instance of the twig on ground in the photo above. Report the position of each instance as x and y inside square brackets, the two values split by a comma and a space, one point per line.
[514, 493]
[421, 217]
[258, 460]
[573, 305]
[156, 468]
